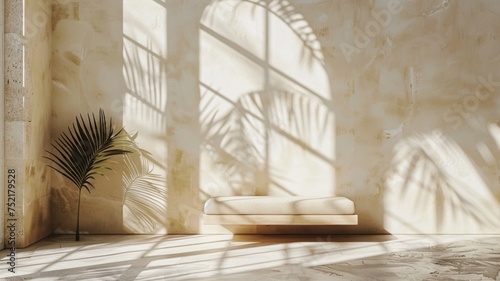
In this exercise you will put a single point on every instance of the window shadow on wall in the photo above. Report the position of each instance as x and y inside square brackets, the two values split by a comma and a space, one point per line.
[146, 108]
[235, 114]
[266, 108]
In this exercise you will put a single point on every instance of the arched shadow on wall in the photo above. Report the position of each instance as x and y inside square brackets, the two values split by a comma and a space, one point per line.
[246, 130]
[242, 118]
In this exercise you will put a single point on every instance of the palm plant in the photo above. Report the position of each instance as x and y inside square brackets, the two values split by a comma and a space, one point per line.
[86, 150]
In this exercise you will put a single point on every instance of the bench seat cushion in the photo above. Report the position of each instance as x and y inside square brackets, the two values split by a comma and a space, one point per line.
[278, 205]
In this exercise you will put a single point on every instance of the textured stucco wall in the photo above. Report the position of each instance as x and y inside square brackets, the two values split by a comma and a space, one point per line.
[416, 120]
[390, 103]
[27, 111]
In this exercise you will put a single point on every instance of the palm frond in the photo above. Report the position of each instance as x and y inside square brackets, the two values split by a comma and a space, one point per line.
[85, 150]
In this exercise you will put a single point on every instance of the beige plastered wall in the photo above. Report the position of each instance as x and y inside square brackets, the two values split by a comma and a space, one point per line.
[393, 104]
[26, 114]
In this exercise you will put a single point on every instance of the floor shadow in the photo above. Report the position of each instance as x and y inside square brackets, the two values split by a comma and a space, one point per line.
[223, 257]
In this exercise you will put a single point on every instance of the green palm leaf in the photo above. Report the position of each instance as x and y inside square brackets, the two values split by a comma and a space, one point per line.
[86, 150]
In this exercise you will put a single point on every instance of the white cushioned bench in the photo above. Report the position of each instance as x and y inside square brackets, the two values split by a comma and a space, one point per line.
[280, 210]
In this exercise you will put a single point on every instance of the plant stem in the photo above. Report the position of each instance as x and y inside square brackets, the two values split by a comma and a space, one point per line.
[77, 237]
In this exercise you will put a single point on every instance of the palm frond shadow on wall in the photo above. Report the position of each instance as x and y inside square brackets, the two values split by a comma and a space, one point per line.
[144, 195]
[286, 12]
[238, 141]
[434, 176]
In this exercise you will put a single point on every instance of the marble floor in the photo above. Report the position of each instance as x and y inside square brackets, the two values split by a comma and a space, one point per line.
[226, 257]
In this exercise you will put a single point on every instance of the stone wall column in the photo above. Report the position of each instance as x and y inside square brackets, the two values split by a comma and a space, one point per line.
[26, 114]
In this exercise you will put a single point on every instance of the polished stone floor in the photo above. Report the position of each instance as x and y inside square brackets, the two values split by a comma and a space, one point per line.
[252, 258]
